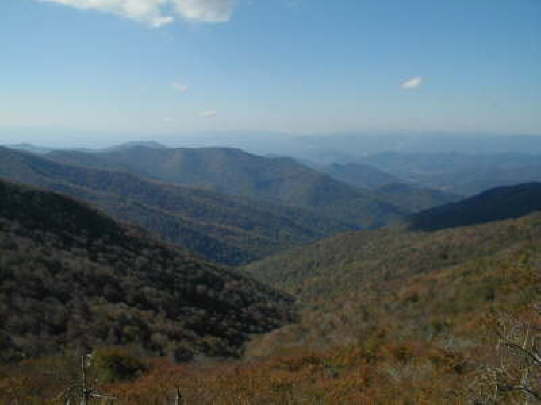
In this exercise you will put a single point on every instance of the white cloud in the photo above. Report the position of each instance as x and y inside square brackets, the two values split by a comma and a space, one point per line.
[183, 88]
[412, 83]
[208, 114]
[205, 10]
[156, 13]
[146, 11]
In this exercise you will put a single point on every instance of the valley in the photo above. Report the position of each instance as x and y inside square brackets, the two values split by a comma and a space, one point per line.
[288, 202]
[405, 291]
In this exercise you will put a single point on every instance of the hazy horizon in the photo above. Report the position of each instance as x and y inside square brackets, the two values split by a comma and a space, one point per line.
[67, 138]
[151, 67]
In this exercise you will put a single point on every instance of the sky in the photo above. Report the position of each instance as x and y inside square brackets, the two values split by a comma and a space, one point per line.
[132, 69]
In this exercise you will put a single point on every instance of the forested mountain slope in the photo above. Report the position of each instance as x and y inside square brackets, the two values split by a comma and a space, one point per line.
[222, 228]
[71, 277]
[234, 172]
[386, 314]
[410, 283]
[435, 331]
[421, 316]
[409, 197]
[359, 175]
[352, 259]
[414, 198]
[491, 205]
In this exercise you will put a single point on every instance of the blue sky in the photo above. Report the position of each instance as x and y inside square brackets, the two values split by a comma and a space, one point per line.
[142, 67]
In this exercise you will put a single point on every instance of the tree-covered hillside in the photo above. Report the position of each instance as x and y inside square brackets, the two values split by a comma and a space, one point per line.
[387, 316]
[234, 172]
[491, 205]
[72, 278]
[427, 317]
[352, 259]
[222, 228]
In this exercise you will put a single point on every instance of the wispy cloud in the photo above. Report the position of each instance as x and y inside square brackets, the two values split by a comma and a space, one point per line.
[147, 11]
[208, 114]
[183, 88]
[157, 13]
[412, 83]
[205, 10]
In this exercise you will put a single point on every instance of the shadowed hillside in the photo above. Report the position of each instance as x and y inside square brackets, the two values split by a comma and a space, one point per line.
[492, 205]
[71, 277]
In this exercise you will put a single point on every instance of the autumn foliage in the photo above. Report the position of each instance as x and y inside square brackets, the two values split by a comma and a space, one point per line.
[442, 317]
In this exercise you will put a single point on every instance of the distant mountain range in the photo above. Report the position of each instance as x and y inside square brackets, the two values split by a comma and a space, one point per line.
[460, 173]
[26, 147]
[222, 228]
[414, 198]
[234, 207]
[359, 144]
[461, 164]
[128, 145]
[237, 173]
[408, 196]
[359, 175]
[74, 278]
[343, 148]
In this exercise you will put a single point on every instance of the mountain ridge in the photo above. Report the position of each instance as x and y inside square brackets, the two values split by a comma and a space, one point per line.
[492, 205]
[223, 228]
[232, 171]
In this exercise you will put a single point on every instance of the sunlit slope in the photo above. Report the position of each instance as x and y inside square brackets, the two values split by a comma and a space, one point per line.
[391, 253]
[344, 263]
[426, 335]
[390, 304]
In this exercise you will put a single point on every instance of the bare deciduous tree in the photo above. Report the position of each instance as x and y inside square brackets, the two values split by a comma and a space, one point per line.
[516, 377]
